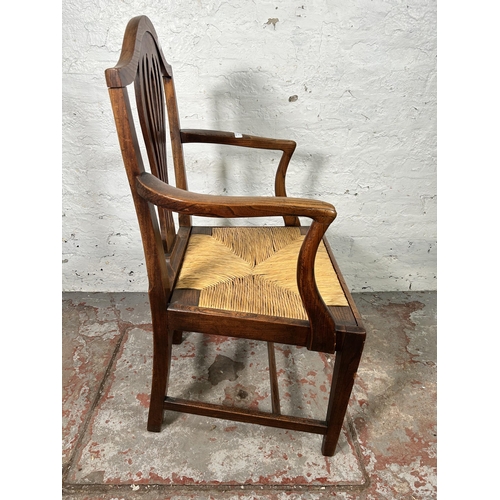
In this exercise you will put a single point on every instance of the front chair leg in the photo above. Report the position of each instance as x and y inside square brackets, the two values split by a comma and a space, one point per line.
[344, 372]
[162, 352]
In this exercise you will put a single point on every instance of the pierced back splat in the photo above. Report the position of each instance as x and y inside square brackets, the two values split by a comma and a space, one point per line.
[151, 109]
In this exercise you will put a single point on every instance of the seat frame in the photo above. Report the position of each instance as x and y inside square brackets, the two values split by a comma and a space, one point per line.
[329, 329]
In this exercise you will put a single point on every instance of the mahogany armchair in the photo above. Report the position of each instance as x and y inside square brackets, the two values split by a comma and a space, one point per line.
[273, 284]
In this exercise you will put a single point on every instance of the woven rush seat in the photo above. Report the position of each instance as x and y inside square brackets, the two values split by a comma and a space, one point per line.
[253, 270]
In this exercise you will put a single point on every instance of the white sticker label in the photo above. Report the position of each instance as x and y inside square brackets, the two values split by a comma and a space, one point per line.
[238, 135]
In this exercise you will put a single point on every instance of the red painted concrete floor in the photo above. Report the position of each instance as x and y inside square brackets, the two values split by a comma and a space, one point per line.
[387, 449]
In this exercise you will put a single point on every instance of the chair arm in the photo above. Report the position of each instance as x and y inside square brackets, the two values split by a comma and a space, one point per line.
[250, 141]
[186, 202]
[233, 139]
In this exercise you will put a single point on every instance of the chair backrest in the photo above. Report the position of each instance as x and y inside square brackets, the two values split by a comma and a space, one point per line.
[142, 63]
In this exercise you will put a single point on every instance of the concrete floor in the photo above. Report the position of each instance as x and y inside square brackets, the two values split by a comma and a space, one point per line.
[387, 449]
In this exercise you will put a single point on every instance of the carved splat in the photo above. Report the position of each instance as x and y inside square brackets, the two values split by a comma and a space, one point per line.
[151, 109]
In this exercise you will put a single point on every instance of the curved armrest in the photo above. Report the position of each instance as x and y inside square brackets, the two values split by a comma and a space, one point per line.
[185, 202]
[233, 139]
[250, 141]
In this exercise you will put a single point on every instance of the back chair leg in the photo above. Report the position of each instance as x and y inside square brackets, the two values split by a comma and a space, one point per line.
[177, 337]
[162, 352]
[344, 372]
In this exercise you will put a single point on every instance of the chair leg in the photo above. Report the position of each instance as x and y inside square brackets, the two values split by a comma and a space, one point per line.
[344, 372]
[177, 337]
[162, 352]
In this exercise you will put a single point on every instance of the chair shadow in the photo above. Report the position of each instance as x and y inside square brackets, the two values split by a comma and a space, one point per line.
[203, 361]
[241, 104]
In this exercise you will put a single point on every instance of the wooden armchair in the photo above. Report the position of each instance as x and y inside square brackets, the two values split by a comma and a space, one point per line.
[274, 284]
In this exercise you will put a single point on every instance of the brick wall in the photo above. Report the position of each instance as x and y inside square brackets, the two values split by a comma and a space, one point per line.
[352, 82]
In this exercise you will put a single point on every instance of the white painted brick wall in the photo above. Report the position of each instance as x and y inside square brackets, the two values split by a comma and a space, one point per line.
[352, 81]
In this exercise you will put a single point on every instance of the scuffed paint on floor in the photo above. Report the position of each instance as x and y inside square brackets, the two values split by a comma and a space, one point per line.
[387, 448]
[195, 450]
[394, 402]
